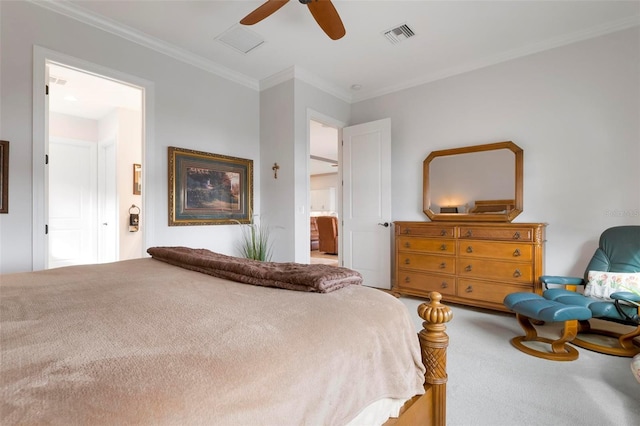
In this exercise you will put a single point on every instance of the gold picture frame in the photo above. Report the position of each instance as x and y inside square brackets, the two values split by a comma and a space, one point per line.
[137, 179]
[4, 176]
[209, 189]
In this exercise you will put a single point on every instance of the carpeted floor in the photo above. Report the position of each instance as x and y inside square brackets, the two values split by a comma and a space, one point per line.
[493, 384]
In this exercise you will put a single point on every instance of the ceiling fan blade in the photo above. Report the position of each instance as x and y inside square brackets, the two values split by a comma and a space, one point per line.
[263, 11]
[327, 17]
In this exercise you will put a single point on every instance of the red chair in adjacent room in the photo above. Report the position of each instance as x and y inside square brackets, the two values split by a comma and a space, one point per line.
[328, 233]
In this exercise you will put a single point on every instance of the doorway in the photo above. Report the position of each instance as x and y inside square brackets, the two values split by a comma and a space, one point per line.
[95, 132]
[90, 127]
[324, 184]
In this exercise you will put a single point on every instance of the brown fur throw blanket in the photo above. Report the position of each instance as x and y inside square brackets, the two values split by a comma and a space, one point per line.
[290, 276]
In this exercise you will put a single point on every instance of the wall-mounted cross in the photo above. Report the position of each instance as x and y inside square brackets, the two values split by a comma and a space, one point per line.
[275, 169]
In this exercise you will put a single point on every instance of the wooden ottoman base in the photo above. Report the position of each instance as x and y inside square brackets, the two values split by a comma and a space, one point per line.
[530, 306]
[559, 350]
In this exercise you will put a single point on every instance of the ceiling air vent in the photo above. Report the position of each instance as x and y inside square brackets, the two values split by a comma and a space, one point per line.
[241, 39]
[57, 80]
[398, 34]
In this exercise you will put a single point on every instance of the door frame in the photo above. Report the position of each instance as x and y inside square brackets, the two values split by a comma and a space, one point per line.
[333, 122]
[41, 57]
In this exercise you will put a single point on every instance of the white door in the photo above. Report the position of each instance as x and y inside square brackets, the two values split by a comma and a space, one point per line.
[72, 203]
[366, 210]
[107, 204]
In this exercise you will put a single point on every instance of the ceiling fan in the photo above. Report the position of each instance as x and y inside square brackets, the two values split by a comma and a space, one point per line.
[323, 11]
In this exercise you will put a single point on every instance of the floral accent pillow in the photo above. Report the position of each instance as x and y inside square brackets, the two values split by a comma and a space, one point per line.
[602, 284]
[635, 367]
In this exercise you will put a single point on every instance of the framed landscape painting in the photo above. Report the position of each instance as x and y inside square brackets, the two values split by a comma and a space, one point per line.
[209, 189]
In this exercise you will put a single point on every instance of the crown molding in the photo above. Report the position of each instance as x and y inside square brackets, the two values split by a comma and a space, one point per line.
[277, 78]
[78, 13]
[298, 73]
[620, 25]
[294, 72]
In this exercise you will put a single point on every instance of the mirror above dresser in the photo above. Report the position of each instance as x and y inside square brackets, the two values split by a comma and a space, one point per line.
[470, 252]
[480, 183]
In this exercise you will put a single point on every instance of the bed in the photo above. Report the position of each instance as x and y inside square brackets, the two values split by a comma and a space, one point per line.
[146, 341]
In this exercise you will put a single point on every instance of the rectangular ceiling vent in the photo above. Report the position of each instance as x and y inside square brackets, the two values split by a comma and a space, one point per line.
[57, 80]
[399, 33]
[240, 39]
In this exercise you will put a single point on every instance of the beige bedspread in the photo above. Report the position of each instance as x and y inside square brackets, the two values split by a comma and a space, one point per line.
[145, 342]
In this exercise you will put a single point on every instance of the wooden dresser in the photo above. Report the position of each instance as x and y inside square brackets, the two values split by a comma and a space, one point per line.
[471, 263]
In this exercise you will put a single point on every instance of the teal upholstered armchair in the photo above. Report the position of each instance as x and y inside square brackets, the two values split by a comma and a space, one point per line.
[611, 287]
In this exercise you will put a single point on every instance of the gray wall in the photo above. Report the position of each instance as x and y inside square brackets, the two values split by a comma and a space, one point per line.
[284, 139]
[575, 110]
[193, 109]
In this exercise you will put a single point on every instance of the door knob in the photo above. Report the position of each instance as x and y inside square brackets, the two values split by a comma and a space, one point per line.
[386, 224]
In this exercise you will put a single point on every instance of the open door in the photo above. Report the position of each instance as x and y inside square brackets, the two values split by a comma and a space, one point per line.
[366, 209]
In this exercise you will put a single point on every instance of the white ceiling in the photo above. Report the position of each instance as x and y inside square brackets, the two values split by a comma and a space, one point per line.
[451, 36]
[323, 141]
[83, 95]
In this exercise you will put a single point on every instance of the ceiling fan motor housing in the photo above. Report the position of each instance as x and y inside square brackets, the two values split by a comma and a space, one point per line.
[324, 12]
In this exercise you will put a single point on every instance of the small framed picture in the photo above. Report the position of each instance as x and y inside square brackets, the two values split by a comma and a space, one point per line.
[137, 179]
[4, 177]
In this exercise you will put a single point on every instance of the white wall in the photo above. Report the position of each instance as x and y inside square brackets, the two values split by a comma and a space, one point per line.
[284, 134]
[575, 110]
[70, 127]
[193, 109]
[276, 143]
[324, 181]
[128, 136]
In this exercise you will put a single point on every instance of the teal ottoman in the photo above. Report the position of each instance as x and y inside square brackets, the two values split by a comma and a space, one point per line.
[531, 306]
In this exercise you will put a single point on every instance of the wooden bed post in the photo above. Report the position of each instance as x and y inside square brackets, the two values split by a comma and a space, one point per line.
[433, 342]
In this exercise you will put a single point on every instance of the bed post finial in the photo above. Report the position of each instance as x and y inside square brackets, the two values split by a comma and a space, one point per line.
[433, 342]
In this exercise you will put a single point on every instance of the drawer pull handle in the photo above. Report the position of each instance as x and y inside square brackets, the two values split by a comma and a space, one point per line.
[469, 249]
[407, 231]
[407, 279]
[517, 273]
[444, 284]
[516, 236]
[443, 247]
[468, 268]
[469, 289]
[407, 244]
[443, 232]
[469, 233]
[443, 265]
[407, 261]
[517, 253]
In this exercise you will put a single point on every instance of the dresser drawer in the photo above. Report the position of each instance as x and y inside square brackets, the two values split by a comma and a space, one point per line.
[503, 234]
[487, 291]
[427, 245]
[472, 263]
[425, 262]
[444, 231]
[499, 270]
[509, 251]
[410, 280]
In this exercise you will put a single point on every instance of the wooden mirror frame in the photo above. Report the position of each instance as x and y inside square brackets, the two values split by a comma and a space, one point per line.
[477, 217]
